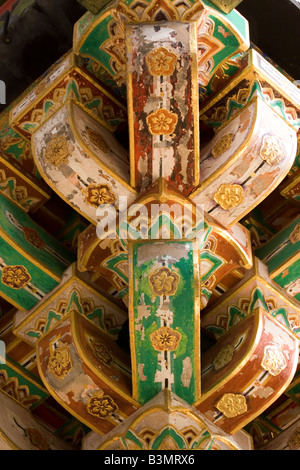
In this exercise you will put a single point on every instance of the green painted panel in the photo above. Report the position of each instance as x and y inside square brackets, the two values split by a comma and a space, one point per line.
[14, 145]
[33, 393]
[165, 326]
[234, 17]
[39, 245]
[280, 248]
[38, 286]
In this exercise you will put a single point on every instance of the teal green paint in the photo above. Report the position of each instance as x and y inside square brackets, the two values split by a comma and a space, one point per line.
[165, 220]
[233, 17]
[279, 249]
[206, 435]
[211, 443]
[51, 316]
[258, 300]
[206, 293]
[132, 437]
[231, 44]
[232, 41]
[216, 331]
[24, 299]
[214, 260]
[153, 232]
[48, 105]
[98, 314]
[34, 390]
[207, 229]
[234, 312]
[33, 334]
[29, 127]
[44, 257]
[281, 312]
[166, 433]
[256, 89]
[182, 306]
[73, 88]
[113, 263]
[74, 299]
[91, 46]
[285, 279]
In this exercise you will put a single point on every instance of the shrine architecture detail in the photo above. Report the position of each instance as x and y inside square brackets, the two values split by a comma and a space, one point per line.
[150, 239]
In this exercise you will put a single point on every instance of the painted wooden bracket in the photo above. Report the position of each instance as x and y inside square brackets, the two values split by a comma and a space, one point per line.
[248, 319]
[164, 318]
[256, 76]
[63, 81]
[18, 351]
[75, 290]
[270, 218]
[86, 372]
[250, 366]
[15, 147]
[227, 282]
[164, 213]
[107, 262]
[167, 422]
[245, 161]
[257, 79]
[18, 176]
[221, 251]
[21, 187]
[256, 289]
[225, 253]
[220, 37]
[22, 385]
[32, 261]
[20, 430]
[81, 160]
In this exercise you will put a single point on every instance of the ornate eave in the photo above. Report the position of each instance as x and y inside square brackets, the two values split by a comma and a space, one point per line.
[150, 287]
